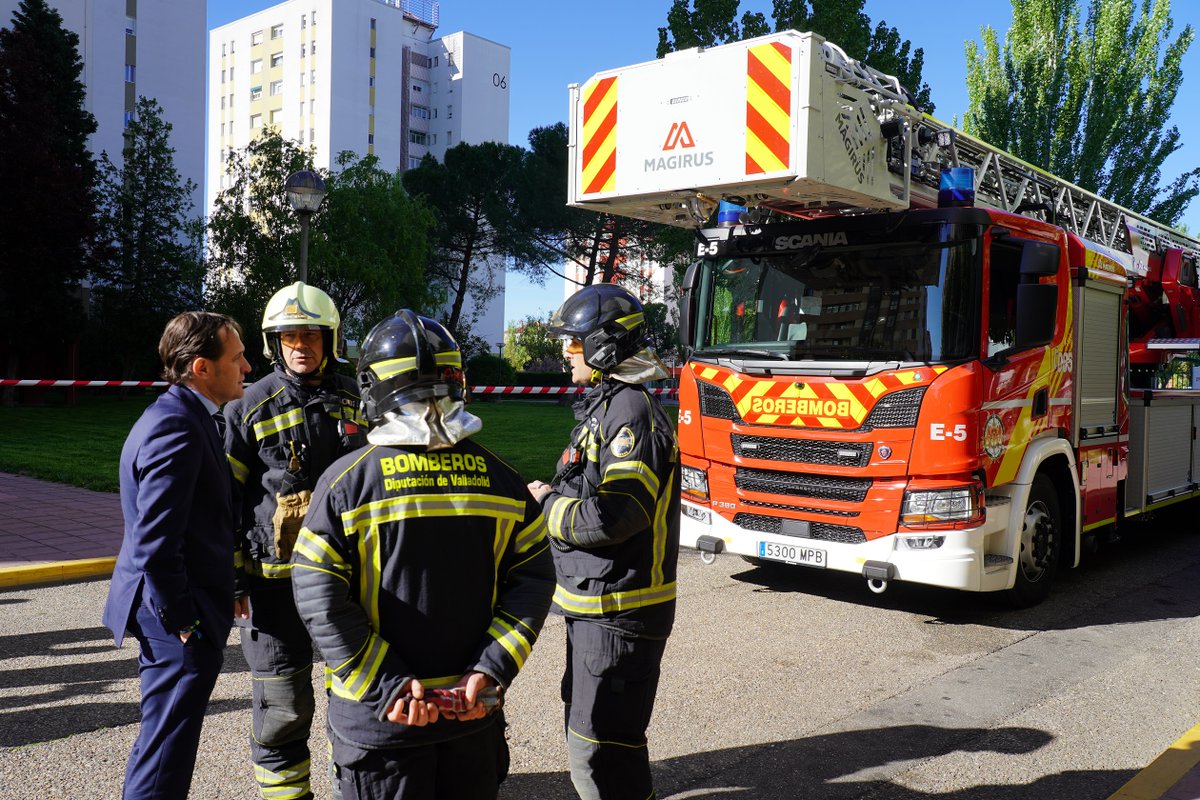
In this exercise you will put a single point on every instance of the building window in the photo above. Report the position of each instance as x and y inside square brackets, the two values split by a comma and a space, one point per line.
[276, 87]
[371, 136]
[276, 31]
[222, 128]
[256, 66]
[371, 81]
[449, 112]
[312, 48]
[303, 50]
[222, 102]
[256, 38]
[129, 119]
[276, 59]
[275, 115]
[372, 23]
[232, 46]
[302, 136]
[312, 104]
[420, 112]
[449, 138]
[231, 73]
[418, 137]
[435, 60]
[372, 52]
[303, 78]
[222, 76]
[255, 121]
[255, 93]
[433, 138]
[435, 113]
[314, 16]
[130, 73]
[413, 162]
[303, 21]
[312, 78]
[312, 134]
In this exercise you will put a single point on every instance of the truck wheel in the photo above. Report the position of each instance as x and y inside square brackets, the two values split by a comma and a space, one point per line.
[1041, 542]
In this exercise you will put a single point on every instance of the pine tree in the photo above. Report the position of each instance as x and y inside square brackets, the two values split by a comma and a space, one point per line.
[47, 217]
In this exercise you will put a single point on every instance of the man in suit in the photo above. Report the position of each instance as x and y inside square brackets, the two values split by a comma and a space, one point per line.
[172, 587]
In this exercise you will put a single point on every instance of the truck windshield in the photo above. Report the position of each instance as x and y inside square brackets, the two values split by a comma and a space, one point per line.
[913, 299]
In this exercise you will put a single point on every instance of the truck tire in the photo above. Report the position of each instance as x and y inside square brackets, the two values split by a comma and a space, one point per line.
[1041, 543]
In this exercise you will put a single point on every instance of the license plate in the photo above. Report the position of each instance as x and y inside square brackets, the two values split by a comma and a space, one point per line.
[792, 554]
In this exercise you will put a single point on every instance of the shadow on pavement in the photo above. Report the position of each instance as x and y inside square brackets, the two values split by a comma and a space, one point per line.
[1091, 594]
[35, 725]
[854, 765]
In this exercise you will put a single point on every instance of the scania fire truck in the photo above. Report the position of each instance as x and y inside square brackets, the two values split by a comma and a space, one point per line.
[913, 357]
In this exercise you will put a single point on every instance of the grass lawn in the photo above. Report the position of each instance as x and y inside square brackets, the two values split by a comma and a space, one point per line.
[81, 445]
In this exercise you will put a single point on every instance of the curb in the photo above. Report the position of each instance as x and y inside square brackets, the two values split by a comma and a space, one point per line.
[56, 572]
[1164, 772]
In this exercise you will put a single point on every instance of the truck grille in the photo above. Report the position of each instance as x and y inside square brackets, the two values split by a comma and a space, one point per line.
[896, 410]
[822, 531]
[715, 402]
[802, 451]
[823, 487]
[833, 512]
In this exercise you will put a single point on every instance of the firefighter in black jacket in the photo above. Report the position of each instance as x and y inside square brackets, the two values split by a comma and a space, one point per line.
[423, 565]
[279, 438]
[613, 517]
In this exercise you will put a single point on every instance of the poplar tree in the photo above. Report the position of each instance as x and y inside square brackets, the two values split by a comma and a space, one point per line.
[1087, 97]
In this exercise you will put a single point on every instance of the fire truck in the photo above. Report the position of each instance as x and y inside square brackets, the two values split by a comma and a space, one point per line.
[913, 357]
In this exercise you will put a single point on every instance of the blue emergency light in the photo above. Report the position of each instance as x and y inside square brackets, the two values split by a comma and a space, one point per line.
[957, 189]
[729, 214]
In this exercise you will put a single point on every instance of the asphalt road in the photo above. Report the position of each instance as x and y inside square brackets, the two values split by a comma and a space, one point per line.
[778, 683]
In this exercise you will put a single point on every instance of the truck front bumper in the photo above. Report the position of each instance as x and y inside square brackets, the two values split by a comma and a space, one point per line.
[971, 559]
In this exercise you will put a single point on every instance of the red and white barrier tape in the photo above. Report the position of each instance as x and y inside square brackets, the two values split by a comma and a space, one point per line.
[501, 390]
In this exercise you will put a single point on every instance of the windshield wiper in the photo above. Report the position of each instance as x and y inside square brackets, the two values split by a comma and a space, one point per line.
[743, 351]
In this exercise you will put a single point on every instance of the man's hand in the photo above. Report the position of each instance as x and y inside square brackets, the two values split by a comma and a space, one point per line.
[539, 490]
[241, 607]
[474, 683]
[419, 713]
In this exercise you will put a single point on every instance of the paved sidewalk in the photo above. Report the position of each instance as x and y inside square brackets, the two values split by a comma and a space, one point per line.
[52, 532]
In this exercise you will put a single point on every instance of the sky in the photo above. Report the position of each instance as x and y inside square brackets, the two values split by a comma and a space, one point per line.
[558, 42]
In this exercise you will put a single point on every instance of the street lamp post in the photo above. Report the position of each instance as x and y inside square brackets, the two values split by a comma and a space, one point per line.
[500, 347]
[305, 192]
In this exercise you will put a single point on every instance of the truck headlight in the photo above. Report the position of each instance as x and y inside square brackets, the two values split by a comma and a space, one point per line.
[694, 482]
[956, 507]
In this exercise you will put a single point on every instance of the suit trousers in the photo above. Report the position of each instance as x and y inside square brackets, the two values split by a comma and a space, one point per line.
[177, 679]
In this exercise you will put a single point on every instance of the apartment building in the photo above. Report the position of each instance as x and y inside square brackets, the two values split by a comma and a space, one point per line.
[131, 48]
[367, 76]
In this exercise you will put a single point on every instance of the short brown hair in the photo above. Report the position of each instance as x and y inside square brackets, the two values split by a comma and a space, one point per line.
[192, 335]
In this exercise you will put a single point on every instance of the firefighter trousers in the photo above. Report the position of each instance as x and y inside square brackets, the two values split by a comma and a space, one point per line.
[465, 768]
[279, 652]
[608, 692]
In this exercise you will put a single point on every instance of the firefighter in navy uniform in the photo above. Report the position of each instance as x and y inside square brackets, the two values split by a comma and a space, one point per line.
[613, 517]
[279, 438]
[422, 568]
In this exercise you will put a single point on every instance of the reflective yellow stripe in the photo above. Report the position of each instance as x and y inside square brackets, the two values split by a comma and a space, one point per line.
[558, 510]
[360, 678]
[448, 358]
[434, 505]
[531, 534]
[393, 367]
[269, 427]
[632, 470]
[239, 560]
[268, 570]
[257, 406]
[317, 550]
[610, 603]
[240, 470]
[357, 461]
[285, 784]
[511, 640]
[628, 323]
[661, 531]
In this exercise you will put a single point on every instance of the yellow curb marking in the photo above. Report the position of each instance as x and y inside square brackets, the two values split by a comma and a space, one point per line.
[56, 571]
[1164, 771]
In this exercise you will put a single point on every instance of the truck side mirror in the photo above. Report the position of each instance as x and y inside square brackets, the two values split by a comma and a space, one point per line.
[1039, 259]
[1037, 312]
[687, 308]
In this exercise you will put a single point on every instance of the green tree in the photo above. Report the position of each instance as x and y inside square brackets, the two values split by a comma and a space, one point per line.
[530, 346]
[662, 332]
[369, 240]
[473, 197]
[1087, 98]
[149, 264]
[706, 23]
[47, 222]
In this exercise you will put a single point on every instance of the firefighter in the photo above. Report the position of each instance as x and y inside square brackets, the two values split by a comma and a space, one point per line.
[279, 438]
[612, 513]
[422, 567]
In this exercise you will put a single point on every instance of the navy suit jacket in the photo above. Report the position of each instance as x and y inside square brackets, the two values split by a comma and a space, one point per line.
[177, 554]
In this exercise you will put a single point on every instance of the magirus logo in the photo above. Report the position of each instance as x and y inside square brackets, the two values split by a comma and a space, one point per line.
[678, 137]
